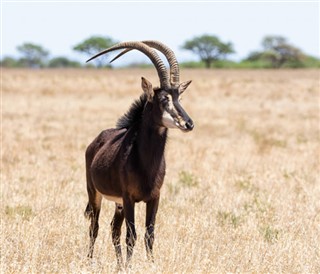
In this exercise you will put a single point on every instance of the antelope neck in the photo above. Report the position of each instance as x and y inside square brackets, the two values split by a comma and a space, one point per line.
[151, 141]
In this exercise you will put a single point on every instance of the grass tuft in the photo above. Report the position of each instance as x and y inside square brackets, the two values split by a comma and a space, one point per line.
[270, 234]
[24, 211]
[187, 179]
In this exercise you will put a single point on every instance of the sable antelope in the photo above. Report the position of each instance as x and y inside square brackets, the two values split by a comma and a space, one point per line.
[126, 164]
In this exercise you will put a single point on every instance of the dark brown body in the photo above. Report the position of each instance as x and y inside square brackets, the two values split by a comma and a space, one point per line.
[127, 165]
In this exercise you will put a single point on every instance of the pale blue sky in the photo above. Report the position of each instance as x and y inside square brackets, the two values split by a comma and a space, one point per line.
[58, 26]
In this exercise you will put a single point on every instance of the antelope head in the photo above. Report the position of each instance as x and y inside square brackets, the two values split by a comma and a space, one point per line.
[168, 96]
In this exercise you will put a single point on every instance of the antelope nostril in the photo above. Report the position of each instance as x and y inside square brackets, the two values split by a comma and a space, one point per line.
[189, 125]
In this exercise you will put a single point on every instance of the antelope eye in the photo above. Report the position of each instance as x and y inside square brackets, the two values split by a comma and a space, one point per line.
[164, 99]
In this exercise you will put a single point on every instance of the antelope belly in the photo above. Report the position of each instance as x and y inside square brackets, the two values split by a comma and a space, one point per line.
[118, 200]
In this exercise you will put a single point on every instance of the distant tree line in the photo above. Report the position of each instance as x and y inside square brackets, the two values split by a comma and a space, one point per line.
[275, 52]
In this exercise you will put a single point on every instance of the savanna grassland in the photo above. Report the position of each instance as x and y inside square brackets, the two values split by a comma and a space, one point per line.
[242, 191]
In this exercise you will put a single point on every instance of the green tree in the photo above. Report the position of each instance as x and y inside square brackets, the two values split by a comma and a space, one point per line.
[33, 55]
[93, 45]
[209, 48]
[278, 53]
[63, 62]
[9, 62]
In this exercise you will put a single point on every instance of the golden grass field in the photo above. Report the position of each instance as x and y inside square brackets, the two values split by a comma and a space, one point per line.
[241, 194]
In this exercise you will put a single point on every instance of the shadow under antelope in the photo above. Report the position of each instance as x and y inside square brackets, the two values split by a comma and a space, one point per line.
[126, 164]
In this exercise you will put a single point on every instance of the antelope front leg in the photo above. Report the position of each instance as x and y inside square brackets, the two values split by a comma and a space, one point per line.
[152, 208]
[128, 207]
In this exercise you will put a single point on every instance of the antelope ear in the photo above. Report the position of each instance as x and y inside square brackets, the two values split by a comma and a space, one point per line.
[147, 88]
[183, 86]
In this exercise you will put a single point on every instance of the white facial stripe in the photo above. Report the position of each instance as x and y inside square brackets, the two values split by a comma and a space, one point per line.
[171, 107]
[170, 103]
[167, 120]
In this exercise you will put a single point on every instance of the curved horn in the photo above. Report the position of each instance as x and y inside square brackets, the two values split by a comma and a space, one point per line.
[172, 60]
[153, 56]
[168, 53]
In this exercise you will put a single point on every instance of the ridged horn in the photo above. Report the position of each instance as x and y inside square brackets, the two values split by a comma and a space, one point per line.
[168, 53]
[153, 56]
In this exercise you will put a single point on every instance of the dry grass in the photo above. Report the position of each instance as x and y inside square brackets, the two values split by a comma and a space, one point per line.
[242, 192]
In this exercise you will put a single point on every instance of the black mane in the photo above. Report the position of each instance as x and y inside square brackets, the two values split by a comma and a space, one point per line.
[134, 114]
